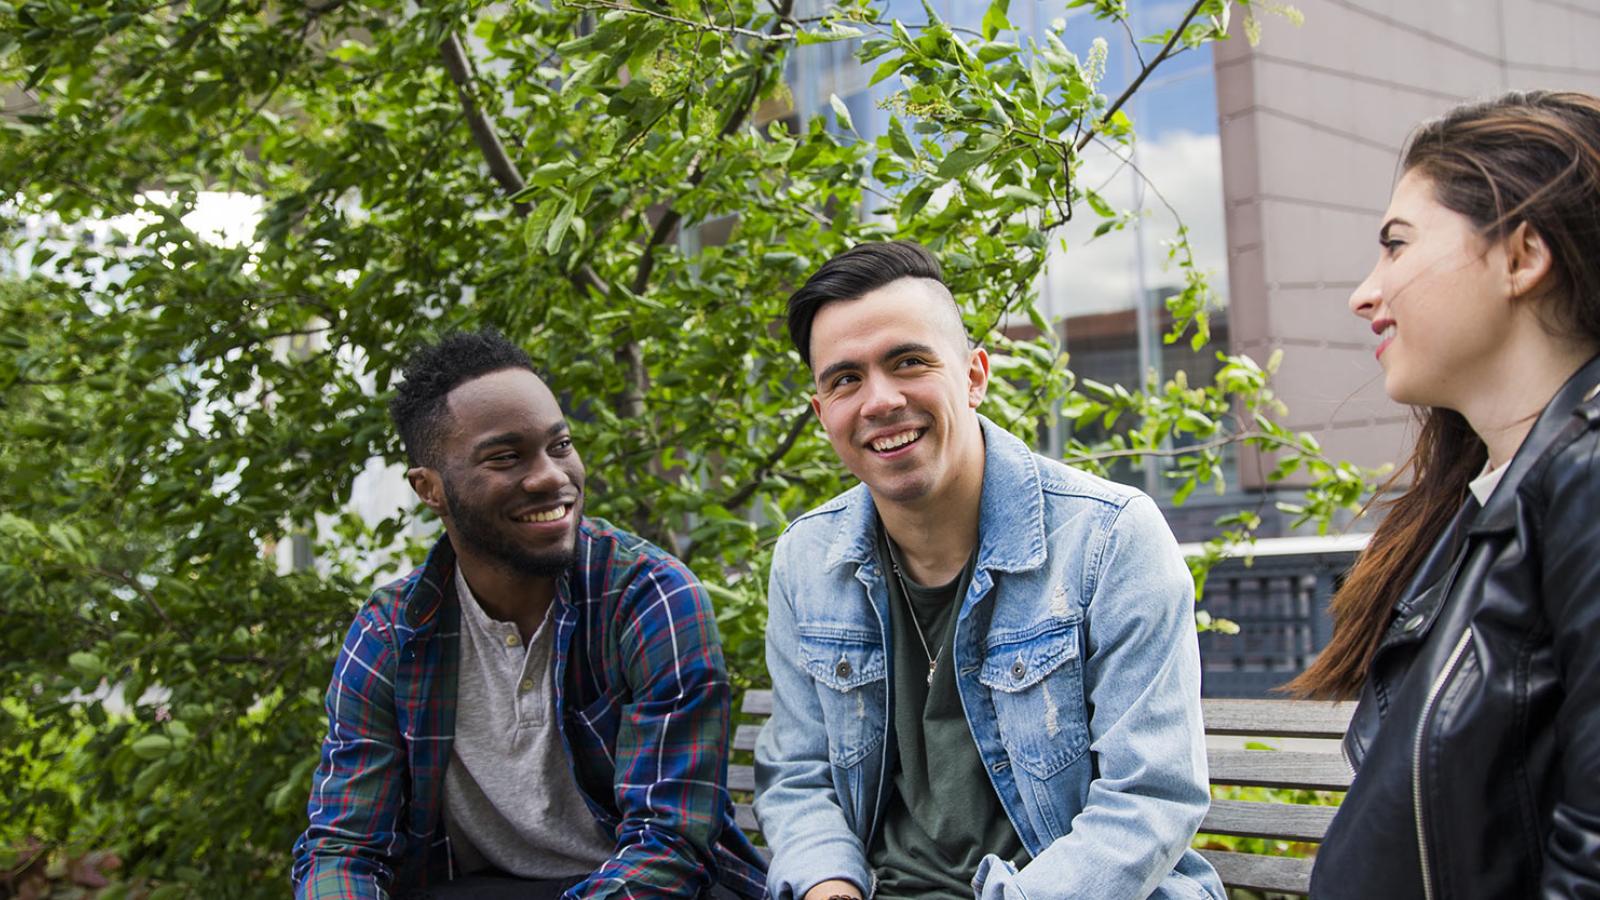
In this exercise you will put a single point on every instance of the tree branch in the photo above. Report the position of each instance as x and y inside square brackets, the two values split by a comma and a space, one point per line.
[1166, 51]
[797, 427]
[699, 26]
[1133, 42]
[144, 593]
[494, 152]
[736, 119]
[1168, 453]
[632, 354]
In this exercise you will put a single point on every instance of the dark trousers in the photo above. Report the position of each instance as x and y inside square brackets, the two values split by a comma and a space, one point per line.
[504, 887]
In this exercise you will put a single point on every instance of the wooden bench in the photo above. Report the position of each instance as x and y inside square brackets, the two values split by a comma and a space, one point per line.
[1314, 765]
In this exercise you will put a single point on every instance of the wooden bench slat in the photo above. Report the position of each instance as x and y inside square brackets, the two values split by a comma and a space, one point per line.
[757, 703]
[1283, 718]
[743, 778]
[1244, 818]
[1274, 718]
[744, 815]
[1279, 769]
[1287, 718]
[744, 736]
[1262, 873]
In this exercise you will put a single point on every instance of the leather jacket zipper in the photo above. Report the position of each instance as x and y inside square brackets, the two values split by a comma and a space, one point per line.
[1416, 758]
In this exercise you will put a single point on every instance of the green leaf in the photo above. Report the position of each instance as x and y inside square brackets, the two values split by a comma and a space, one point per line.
[1196, 421]
[915, 199]
[85, 662]
[559, 224]
[970, 155]
[535, 230]
[993, 51]
[900, 141]
[886, 68]
[36, 75]
[1181, 495]
[835, 32]
[18, 528]
[994, 20]
[1018, 192]
[842, 112]
[1099, 205]
[152, 746]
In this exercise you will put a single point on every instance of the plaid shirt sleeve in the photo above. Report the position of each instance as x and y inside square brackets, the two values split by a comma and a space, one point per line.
[671, 750]
[355, 837]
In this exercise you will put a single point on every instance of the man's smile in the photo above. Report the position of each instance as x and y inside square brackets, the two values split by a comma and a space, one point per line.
[545, 516]
[890, 444]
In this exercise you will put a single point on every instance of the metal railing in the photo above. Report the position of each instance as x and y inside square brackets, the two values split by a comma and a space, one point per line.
[1278, 596]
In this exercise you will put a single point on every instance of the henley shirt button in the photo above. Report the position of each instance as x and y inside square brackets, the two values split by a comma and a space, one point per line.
[527, 685]
[512, 640]
[843, 669]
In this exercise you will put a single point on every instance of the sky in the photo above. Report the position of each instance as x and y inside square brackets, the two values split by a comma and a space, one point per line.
[1095, 276]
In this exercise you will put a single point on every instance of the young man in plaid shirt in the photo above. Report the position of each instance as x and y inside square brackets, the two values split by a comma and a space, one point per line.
[542, 709]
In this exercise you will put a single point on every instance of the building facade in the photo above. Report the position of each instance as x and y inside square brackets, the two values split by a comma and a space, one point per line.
[1312, 121]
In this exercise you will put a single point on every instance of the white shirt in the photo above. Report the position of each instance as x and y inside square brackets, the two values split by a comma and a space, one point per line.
[1485, 483]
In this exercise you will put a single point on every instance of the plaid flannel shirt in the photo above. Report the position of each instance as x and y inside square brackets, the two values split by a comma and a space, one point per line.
[642, 694]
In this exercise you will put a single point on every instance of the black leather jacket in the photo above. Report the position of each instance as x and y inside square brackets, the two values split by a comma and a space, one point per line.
[1477, 739]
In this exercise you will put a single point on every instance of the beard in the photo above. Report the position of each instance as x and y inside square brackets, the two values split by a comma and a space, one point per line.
[488, 536]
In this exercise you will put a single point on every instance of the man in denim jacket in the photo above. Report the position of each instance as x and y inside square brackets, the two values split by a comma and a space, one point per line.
[984, 666]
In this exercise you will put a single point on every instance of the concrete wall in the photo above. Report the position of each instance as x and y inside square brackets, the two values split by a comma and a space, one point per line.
[1312, 123]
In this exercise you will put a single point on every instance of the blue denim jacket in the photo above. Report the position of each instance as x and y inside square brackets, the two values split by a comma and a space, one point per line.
[1076, 662]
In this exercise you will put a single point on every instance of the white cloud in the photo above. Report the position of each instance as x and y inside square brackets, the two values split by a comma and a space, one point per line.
[1096, 276]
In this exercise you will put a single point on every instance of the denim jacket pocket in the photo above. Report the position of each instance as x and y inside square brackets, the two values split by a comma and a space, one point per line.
[851, 675]
[1035, 677]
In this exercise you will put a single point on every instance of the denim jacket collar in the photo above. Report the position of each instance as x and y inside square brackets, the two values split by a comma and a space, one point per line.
[1011, 531]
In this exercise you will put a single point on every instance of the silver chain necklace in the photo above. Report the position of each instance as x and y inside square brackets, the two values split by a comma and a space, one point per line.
[905, 594]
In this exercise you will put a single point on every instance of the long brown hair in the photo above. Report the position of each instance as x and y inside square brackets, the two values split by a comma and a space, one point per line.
[1520, 158]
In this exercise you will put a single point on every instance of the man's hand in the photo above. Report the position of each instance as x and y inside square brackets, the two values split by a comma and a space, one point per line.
[828, 890]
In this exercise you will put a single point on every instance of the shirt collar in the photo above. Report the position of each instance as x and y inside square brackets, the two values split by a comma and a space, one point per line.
[1483, 486]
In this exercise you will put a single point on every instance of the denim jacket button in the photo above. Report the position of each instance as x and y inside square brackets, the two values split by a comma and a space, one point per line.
[842, 669]
[1018, 669]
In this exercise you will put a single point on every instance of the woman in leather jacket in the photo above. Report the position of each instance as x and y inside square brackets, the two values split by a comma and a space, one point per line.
[1470, 627]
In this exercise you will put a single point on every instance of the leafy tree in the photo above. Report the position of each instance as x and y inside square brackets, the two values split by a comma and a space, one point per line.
[595, 178]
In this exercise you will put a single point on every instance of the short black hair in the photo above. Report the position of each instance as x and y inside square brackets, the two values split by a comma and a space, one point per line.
[436, 369]
[855, 272]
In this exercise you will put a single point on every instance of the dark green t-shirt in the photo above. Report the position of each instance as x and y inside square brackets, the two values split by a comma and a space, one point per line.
[943, 815]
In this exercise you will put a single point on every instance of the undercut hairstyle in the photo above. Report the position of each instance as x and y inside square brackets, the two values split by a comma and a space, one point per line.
[859, 271]
[420, 409]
